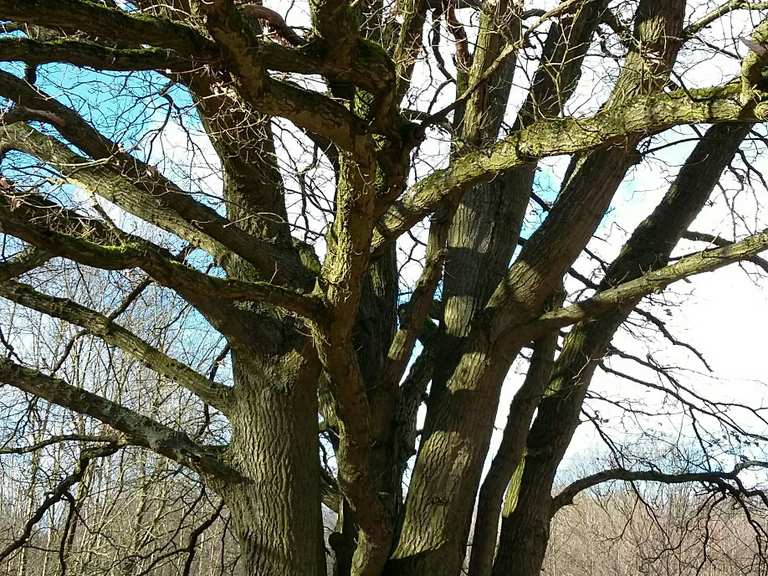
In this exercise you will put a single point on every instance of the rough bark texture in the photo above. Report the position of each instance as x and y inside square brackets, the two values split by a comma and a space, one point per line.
[338, 341]
[525, 529]
[460, 420]
[275, 508]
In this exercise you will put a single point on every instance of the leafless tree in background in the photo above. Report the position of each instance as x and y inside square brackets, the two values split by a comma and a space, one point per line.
[241, 255]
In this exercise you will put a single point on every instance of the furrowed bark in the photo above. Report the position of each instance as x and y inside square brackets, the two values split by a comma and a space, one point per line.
[342, 278]
[481, 235]
[525, 530]
[460, 422]
[335, 339]
[276, 507]
[510, 452]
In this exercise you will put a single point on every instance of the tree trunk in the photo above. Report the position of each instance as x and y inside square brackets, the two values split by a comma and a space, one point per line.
[524, 532]
[460, 419]
[275, 509]
[510, 453]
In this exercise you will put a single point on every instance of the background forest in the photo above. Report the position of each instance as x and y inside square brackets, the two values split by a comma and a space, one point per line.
[383, 287]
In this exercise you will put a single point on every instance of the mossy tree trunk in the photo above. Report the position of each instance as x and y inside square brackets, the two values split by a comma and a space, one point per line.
[341, 353]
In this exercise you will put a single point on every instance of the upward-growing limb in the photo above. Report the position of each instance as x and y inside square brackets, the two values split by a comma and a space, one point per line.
[649, 247]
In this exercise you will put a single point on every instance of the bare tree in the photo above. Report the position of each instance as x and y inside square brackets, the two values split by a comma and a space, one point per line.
[342, 234]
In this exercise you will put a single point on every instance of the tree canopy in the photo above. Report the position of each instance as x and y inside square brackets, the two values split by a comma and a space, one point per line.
[306, 253]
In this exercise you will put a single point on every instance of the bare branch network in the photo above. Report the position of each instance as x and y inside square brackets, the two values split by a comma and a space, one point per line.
[298, 252]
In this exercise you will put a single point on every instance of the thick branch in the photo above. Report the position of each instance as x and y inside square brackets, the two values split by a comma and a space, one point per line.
[110, 23]
[643, 115]
[23, 262]
[342, 277]
[62, 232]
[130, 183]
[311, 110]
[613, 299]
[717, 241]
[511, 450]
[99, 325]
[139, 429]
[370, 69]
[90, 54]
[336, 20]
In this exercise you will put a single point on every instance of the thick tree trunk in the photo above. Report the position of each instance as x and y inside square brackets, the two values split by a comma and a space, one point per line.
[275, 509]
[525, 529]
[510, 453]
[460, 419]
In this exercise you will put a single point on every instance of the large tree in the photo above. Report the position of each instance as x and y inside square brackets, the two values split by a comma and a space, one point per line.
[367, 247]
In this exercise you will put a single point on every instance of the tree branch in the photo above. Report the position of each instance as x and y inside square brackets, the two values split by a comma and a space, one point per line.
[130, 183]
[311, 110]
[99, 325]
[23, 262]
[717, 241]
[643, 115]
[342, 277]
[92, 55]
[369, 70]
[719, 478]
[62, 232]
[109, 23]
[139, 429]
[61, 491]
[614, 298]
[56, 440]
[724, 8]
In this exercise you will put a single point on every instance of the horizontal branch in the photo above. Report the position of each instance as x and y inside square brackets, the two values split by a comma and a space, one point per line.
[566, 496]
[640, 116]
[90, 54]
[139, 429]
[158, 43]
[724, 8]
[65, 233]
[109, 23]
[99, 325]
[614, 298]
[58, 440]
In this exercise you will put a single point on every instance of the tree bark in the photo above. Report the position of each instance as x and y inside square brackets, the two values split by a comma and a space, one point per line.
[460, 419]
[510, 452]
[275, 509]
[525, 530]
